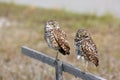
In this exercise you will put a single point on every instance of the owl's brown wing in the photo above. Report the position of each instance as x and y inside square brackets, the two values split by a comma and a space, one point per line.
[60, 38]
[90, 51]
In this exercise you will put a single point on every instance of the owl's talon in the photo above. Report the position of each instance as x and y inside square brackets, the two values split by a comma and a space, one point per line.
[83, 72]
[55, 62]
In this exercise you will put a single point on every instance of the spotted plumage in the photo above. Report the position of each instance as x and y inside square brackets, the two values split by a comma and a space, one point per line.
[85, 47]
[56, 38]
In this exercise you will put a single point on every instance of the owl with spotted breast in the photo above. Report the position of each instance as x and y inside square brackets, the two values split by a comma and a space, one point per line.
[86, 48]
[56, 37]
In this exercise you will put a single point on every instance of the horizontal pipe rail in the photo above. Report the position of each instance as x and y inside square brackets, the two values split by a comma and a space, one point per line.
[65, 66]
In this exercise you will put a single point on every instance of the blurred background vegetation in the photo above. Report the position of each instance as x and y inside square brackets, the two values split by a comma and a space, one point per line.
[23, 25]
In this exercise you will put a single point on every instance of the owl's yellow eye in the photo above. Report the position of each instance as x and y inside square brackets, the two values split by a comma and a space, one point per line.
[53, 25]
[83, 34]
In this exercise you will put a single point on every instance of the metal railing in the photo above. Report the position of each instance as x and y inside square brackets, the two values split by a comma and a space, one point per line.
[59, 66]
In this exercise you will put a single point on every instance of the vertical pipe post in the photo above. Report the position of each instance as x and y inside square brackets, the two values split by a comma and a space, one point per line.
[58, 70]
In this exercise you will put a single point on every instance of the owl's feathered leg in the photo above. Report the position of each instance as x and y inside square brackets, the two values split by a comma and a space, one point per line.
[86, 66]
[56, 58]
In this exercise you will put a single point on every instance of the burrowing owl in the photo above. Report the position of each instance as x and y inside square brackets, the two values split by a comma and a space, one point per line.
[85, 48]
[56, 38]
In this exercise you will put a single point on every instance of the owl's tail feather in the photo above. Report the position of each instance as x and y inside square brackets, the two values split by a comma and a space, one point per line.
[96, 63]
[61, 50]
[95, 60]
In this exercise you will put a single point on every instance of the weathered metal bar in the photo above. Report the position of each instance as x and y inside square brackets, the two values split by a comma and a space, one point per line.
[65, 66]
[38, 55]
[58, 69]
[78, 73]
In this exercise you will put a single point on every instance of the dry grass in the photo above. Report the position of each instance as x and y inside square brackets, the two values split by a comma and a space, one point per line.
[28, 31]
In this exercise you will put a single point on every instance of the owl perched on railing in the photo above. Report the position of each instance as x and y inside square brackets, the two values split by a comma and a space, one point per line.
[56, 38]
[85, 48]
